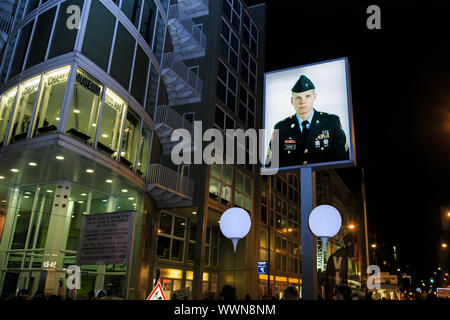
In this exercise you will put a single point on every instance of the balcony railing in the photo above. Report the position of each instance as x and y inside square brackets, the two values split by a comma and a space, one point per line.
[194, 8]
[183, 85]
[6, 21]
[187, 37]
[176, 187]
[172, 119]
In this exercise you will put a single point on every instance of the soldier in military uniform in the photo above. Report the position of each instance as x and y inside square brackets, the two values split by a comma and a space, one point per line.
[309, 136]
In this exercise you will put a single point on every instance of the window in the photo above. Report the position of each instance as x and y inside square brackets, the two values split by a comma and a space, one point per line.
[248, 69]
[232, 10]
[21, 50]
[222, 120]
[41, 37]
[6, 104]
[144, 152]
[247, 106]
[250, 33]
[111, 124]
[171, 237]
[152, 90]
[220, 183]
[99, 34]
[148, 21]
[84, 107]
[122, 58]
[21, 119]
[140, 75]
[226, 86]
[243, 191]
[229, 45]
[130, 140]
[132, 9]
[158, 45]
[50, 101]
[63, 40]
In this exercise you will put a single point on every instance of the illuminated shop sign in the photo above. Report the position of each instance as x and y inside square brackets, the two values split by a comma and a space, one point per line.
[58, 76]
[88, 84]
[113, 101]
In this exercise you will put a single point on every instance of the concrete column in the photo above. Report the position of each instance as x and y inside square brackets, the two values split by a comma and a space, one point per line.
[52, 256]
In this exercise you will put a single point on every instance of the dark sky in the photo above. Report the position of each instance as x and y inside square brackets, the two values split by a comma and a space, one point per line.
[400, 78]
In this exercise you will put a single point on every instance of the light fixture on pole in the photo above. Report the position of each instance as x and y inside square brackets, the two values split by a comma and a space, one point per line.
[325, 222]
[235, 223]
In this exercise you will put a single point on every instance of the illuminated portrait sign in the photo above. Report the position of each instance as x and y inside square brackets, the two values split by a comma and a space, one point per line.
[307, 110]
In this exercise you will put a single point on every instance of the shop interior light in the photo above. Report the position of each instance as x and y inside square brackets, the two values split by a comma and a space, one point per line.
[12, 93]
[50, 191]
[89, 171]
[83, 194]
[124, 190]
[104, 135]
[14, 170]
[59, 157]
[130, 198]
[109, 181]
[32, 164]
[76, 111]
[32, 82]
[58, 72]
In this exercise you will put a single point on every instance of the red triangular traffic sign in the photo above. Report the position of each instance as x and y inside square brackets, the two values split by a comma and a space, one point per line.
[157, 293]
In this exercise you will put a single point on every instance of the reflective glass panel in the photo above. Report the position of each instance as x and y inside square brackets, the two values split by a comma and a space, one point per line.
[24, 109]
[130, 138]
[111, 123]
[79, 198]
[122, 58]
[50, 101]
[6, 104]
[63, 40]
[20, 50]
[144, 151]
[84, 107]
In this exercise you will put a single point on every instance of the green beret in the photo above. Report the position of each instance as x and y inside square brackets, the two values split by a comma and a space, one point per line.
[303, 84]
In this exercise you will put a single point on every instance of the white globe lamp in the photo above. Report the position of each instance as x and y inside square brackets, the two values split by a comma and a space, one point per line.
[325, 222]
[235, 223]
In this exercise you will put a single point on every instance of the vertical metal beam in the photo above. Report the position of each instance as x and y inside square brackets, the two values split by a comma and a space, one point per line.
[308, 240]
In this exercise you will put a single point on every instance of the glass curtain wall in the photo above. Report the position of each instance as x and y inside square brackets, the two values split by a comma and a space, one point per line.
[130, 141]
[50, 101]
[6, 104]
[84, 107]
[24, 109]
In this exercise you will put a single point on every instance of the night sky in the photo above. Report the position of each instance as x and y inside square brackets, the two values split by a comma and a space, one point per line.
[400, 77]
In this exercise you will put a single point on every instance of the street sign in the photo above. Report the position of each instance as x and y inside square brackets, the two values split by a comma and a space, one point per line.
[157, 293]
[262, 267]
[183, 294]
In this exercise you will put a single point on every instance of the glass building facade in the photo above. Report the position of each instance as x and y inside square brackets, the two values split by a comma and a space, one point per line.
[76, 106]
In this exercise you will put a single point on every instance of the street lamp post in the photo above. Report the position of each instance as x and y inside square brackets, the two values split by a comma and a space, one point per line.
[235, 223]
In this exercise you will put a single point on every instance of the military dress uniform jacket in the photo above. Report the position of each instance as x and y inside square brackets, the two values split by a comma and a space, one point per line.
[326, 140]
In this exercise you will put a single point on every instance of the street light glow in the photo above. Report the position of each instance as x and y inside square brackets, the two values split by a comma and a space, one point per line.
[444, 245]
[374, 245]
[351, 227]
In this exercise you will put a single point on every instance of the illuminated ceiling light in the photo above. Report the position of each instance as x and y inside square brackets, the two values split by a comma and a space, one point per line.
[73, 216]
[2, 177]
[26, 197]
[194, 212]
[130, 198]
[374, 245]
[32, 164]
[50, 191]
[59, 157]
[14, 170]
[89, 171]
[3, 201]
[80, 201]
[27, 192]
[124, 190]
[104, 135]
[83, 194]
[94, 124]
[76, 111]
[57, 118]
[109, 181]
[105, 200]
